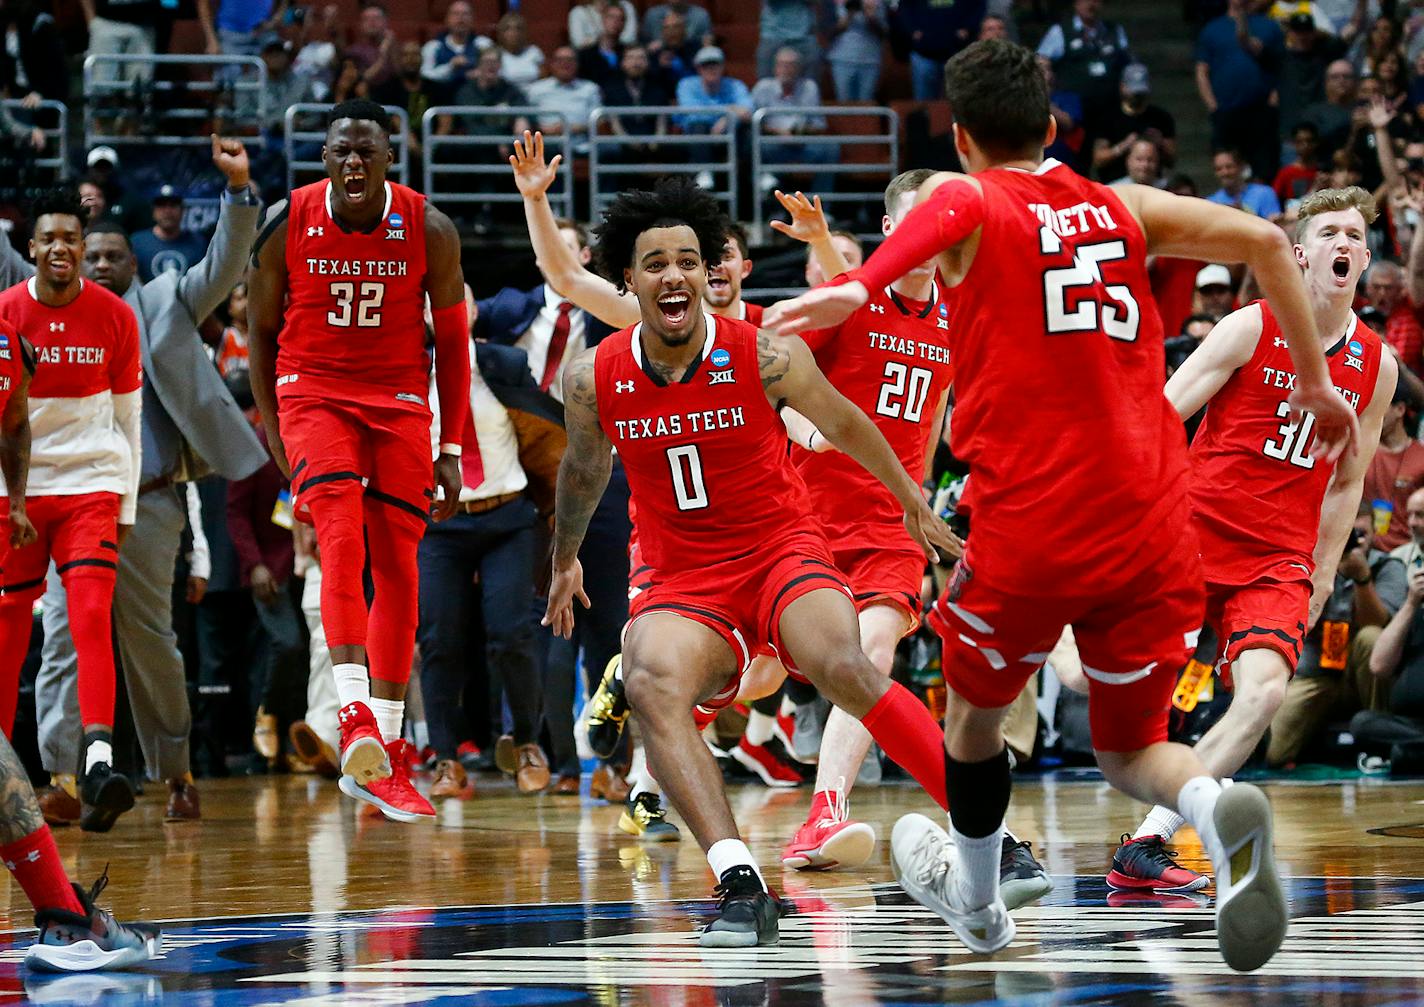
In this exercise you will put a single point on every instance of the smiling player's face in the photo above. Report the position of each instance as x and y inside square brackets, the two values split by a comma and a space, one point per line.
[669, 279]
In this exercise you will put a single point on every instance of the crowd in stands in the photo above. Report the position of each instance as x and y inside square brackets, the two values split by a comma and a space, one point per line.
[1298, 96]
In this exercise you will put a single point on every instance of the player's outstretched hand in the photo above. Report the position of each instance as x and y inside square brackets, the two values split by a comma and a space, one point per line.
[22, 533]
[531, 175]
[566, 585]
[1337, 427]
[448, 478]
[808, 221]
[932, 535]
[821, 308]
[230, 157]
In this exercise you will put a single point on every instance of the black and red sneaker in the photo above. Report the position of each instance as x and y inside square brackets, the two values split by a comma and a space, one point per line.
[1145, 864]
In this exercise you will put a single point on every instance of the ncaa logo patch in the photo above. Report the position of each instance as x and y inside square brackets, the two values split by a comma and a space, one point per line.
[1356, 347]
[396, 220]
[944, 311]
[720, 358]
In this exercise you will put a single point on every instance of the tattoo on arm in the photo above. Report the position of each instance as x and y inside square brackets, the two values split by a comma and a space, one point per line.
[19, 811]
[773, 360]
[587, 463]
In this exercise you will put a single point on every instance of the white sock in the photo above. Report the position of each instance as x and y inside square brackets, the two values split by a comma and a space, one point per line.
[725, 854]
[759, 727]
[1160, 821]
[389, 714]
[977, 873]
[353, 684]
[787, 706]
[98, 751]
[421, 732]
[640, 780]
[1197, 804]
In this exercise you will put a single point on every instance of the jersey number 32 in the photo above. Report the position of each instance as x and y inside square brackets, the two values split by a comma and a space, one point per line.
[363, 306]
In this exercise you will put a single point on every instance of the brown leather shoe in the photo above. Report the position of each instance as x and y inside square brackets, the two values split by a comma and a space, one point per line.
[264, 736]
[504, 758]
[313, 751]
[58, 806]
[532, 772]
[183, 804]
[567, 785]
[608, 784]
[451, 780]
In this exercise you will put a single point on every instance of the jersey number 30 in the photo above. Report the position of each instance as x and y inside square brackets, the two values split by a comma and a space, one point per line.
[1118, 316]
[1295, 438]
[687, 484]
[367, 302]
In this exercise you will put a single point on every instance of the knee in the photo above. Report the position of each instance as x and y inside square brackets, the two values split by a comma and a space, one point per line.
[1259, 697]
[842, 673]
[653, 694]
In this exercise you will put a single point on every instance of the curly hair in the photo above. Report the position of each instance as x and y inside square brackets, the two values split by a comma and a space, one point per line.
[673, 201]
[360, 109]
[62, 200]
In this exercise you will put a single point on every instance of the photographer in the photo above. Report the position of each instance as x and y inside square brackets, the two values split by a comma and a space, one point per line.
[1333, 679]
[1392, 724]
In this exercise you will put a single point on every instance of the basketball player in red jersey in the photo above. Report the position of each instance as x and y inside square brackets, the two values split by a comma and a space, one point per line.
[340, 373]
[82, 486]
[1272, 518]
[1079, 493]
[689, 400]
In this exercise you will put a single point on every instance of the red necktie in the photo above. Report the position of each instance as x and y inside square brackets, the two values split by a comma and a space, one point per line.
[557, 342]
[472, 466]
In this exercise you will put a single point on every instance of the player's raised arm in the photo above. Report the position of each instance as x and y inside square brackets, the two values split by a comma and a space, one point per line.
[789, 374]
[951, 209]
[15, 449]
[1225, 350]
[1342, 498]
[561, 269]
[808, 225]
[266, 298]
[1195, 229]
[445, 283]
[583, 476]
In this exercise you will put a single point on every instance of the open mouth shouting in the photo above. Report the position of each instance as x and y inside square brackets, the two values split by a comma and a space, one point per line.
[353, 184]
[1340, 267]
[675, 305]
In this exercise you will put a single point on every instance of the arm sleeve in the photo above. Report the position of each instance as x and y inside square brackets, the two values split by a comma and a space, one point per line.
[452, 372]
[952, 213]
[127, 409]
[200, 560]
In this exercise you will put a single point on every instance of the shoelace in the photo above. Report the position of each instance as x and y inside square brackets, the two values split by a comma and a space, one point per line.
[928, 864]
[100, 884]
[836, 810]
[650, 807]
[1154, 849]
[727, 894]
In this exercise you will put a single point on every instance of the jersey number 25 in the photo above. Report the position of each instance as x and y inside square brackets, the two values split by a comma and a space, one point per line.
[1118, 316]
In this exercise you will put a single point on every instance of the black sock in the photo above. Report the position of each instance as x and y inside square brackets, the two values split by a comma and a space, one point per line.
[978, 793]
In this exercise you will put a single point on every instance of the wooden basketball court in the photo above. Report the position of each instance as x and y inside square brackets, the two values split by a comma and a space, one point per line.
[287, 893]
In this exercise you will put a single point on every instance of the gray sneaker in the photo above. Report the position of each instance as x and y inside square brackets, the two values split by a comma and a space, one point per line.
[1251, 911]
[69, 942]
[922, 856]
[810, 721]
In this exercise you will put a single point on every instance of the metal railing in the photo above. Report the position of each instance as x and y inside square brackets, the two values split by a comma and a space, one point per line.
[55, 155]
[294, 133]
[459, 162]
[766, 146]
[606, 167]
[154, 111]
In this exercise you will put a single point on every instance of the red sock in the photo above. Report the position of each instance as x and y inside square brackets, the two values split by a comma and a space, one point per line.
[902, 726]
[91, 601]
[35, 864]
[16, 621]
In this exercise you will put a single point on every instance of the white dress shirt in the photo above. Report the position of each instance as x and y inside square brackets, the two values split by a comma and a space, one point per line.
[536, 339]
[499, 446]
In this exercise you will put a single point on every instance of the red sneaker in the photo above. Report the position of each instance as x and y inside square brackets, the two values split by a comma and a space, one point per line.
[363, 757]
[395, 795]
[763, 762]
[782, 731]
[829, 839]
[1146, 864]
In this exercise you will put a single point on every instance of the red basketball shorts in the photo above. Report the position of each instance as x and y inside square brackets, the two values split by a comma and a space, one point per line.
[880, 576]
[1267, 613]
[742, 600]
[80, 533]
[1133, 641]
[339, 433]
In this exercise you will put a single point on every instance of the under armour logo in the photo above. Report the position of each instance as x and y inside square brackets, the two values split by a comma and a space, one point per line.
[33, 857]
[350, 711]
[720, 378]
[1281, 342]
[56, 326]
[623, 386]
[315, 232]
[879, 309]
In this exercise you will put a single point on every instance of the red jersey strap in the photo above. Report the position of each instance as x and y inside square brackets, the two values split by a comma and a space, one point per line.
[953, 212]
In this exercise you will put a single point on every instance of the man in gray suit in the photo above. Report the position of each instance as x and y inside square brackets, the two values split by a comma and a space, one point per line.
[191, 426]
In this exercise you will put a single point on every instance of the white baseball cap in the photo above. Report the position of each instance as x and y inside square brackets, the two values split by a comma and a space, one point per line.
[1213, 276]
[103, 153]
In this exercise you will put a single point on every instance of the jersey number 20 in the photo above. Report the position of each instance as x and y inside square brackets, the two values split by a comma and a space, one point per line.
[367, 302]
[1118, 317]
[1295, 438]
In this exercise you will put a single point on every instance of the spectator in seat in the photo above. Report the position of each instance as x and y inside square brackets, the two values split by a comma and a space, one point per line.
[284, 87]
[847, 244]
[788, 23]
[1237, 59]
[1333, 676]
[674, 51]
[695, 19]
[1066, 107]
[994, 26]
[166, 247]
[33, 65]
[1390, 722]
[934, 32]
[1144, 165]
[486, 88]
[599, 62]
[1386, 293]
[1237, 190]
[243, 25]
[449, 59]
[1333, 115]
[1395, 474]
[522, 61]
[1216, 294]
[315, 40]
[857, 38]
[1296, 179]
[564, 92]
[1308, 52]
[408, 89]
[586, 23]
[636, 85]
[711, 87]
[1089, 54]
[130, 28]
[1133, 118]
[790, 89]
[374, 50]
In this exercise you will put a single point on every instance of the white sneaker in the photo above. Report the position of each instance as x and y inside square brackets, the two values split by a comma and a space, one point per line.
[1251, 911]
[704, 179]
[922, 856]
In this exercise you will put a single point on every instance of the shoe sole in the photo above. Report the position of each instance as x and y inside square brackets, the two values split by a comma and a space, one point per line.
[365, 761]
[626, 823]
[849, 848]
[354, 790]
[747, 762]
[1120, 882]
[309, 748]
[739, 938]
[113, 799]
[87, 956]
[967, 936]
[1251, 923]
[1019, 892]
